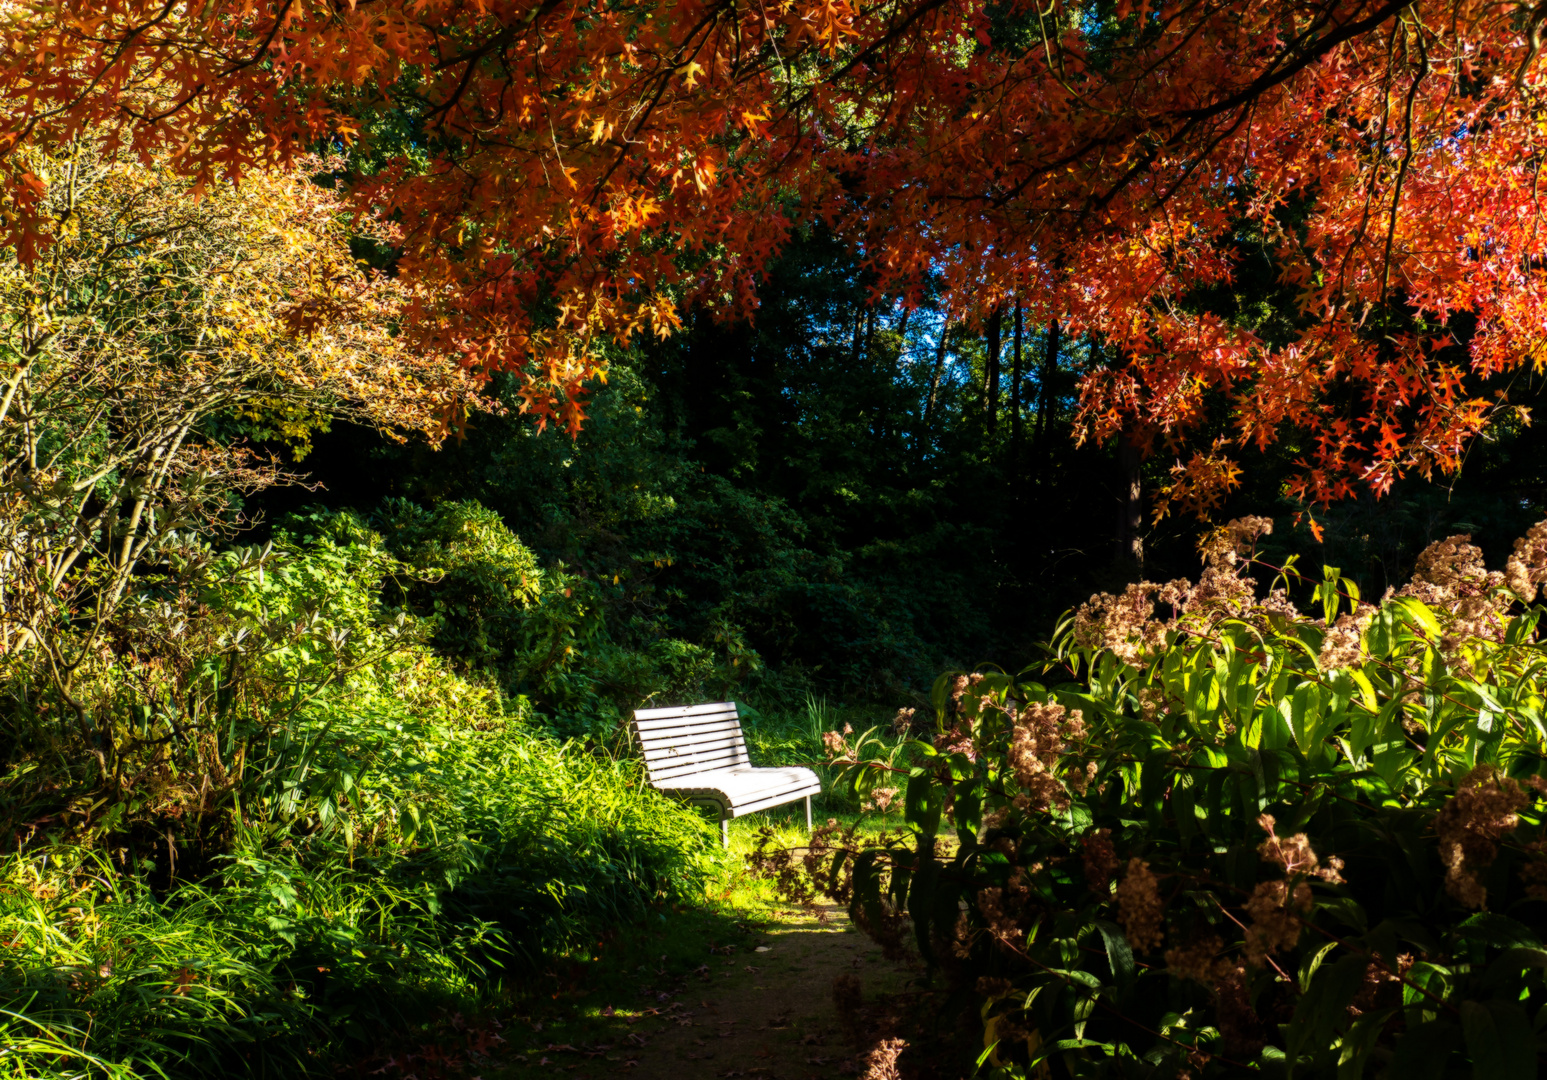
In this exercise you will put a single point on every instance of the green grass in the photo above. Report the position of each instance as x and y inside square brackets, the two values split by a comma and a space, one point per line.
[298, 955]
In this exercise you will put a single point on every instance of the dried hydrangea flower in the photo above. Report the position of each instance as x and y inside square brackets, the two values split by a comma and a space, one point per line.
[1139, 907]
[1198, 961]
[881, 1062]
[1100, 860]
[1527, 567]
[1343, 644]
[1482, 810]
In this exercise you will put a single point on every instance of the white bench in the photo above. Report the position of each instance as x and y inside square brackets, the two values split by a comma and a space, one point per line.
[697, 753]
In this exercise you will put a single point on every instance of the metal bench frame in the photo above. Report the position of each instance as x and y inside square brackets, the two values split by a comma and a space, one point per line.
[697, 753]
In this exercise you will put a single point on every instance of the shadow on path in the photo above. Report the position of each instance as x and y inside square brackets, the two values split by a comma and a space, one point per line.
[770, 1013]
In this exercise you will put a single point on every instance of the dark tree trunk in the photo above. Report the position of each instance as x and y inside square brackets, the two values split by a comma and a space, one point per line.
[1015, 387]
[887, 382]
[934, 388]
[991, 369]
[1049, 375]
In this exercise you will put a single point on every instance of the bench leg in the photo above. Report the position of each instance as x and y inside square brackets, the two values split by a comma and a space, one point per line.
[808, 815]
[725, 831]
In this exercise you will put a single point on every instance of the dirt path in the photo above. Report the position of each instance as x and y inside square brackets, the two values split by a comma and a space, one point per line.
[770, 1012]
[763, 1008]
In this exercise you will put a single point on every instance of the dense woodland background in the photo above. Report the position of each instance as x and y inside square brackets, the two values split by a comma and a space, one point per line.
[843, 497]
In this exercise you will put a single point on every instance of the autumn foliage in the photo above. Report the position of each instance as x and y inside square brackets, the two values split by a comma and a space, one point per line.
[563, 172]
[146, 346]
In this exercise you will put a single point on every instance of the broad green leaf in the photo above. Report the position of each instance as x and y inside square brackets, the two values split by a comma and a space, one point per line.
[1499, 1040]
[1423, 1052]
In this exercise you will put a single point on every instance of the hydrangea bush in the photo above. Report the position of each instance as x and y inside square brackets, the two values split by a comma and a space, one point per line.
[1217, 834]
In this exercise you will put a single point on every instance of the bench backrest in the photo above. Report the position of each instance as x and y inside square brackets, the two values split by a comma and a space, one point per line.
[686, 739]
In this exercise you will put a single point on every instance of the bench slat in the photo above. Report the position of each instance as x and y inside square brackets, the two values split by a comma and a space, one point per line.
[713, 759]
[726, 757]
[744, 783]
[778, 799]
[682, 751]
[685, 710]
[739, 803]
[672, 723]
[656, 751]
[665, 738]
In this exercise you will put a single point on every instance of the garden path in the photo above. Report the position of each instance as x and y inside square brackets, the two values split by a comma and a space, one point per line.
[761, 1009]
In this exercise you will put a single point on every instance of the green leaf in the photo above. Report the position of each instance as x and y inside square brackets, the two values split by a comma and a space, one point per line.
[1510, 963]
[1311, 963]
[1184, 808]
[1424, 1051]
[921, 895]
[921, 805]
[1358, 1042]
[867, 885]
[1304, 713]
[1499, 1040]
[1325, 1004]
[1419, 613]
[1499, 930]
[1119, 955]
[1155, 776]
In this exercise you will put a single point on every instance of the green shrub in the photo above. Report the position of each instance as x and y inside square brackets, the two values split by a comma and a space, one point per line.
[287, 824]
[1240, 838]
[536, 632]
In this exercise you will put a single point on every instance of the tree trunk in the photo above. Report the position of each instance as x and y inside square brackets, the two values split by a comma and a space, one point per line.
[934, 387]
[1130, 542]
[887, 383]
[1049, 372]
[991, 369]
[1015, 387]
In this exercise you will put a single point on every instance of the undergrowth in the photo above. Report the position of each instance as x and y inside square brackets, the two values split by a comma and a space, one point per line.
[274, 826]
